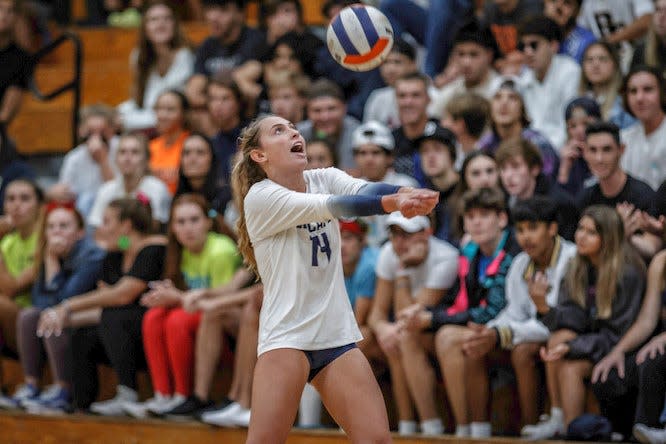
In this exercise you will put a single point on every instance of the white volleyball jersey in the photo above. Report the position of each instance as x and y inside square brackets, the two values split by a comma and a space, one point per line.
[296, 243]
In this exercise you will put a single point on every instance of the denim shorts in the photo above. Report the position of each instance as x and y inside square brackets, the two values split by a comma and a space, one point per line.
[321, 358]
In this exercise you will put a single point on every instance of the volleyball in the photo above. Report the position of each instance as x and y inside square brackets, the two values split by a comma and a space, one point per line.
[359, 37]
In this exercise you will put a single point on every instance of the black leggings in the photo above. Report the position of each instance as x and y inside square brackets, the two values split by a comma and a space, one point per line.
[116, 341]
[651, 391]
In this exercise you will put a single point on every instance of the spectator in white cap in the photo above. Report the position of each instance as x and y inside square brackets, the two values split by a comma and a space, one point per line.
[372, 145]
[414, 267]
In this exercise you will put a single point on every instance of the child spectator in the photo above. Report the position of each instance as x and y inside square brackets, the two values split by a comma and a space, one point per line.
[601, 79]
[132, 162]
[477, 296]
[414, 267]
[598, 301]
[171, 109]
[321, 154]
[135, 258]
[67, 264]
[287, 94]
[23, 205]
[197, 257]
[161, 61]
[467, 116]
[575, 39]
[651, 51]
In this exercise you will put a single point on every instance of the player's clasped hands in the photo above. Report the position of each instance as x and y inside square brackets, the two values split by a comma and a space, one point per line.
[417, 202]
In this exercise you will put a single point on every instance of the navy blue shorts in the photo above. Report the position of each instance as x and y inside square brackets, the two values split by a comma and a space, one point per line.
[321, 358]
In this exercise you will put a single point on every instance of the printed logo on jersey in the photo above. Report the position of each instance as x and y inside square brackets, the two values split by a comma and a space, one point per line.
[319, 242]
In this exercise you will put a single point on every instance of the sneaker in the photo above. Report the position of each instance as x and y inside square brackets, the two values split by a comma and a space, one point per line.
[175, 400]
[213, 408]
[114, 406]
[139, 410]
[58, 402]
[649, 435]
[22, 394]
[188, 408]
[546, 428]
[231, 416]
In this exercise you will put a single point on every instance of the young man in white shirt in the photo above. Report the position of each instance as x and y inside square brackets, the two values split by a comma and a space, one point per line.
[550, 81]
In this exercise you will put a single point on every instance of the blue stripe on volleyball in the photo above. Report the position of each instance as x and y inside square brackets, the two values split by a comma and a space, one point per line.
[367, 25]
[343, 38]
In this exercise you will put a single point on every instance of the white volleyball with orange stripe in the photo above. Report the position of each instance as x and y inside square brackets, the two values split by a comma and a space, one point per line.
[359, 37]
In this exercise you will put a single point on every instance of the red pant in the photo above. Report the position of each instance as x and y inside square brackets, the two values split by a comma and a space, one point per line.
[168, 340]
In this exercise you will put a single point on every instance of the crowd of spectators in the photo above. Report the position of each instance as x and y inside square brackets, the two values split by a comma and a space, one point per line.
[542, 123]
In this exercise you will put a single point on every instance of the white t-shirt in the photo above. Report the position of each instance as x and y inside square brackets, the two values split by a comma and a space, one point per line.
[442, 96]
[438, 272]
[156, 191]
[604, 17]
[296, 242]
[645, 156]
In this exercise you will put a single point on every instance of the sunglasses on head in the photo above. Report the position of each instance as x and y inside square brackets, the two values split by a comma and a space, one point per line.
[533, 45]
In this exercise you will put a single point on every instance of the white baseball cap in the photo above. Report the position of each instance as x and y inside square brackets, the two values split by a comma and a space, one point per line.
[411, 225]
[374, 133]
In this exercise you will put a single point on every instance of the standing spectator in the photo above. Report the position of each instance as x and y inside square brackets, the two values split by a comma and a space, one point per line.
[645, 98]
[16, 62]
[574, 38]
[651, 51]
[598, 301]
[161, 61]
[474, 51]
[92, 163]
[67, 264]
[328, 119]
[135, 258]
[23, 205]
[382, 105]
[467, 116]
[601, 79]
[172, 129]
[132, 161]
[509, 119]
[551, 80]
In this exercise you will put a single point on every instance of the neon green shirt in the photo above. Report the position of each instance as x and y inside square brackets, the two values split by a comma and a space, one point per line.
[18, 254]
[214, 266]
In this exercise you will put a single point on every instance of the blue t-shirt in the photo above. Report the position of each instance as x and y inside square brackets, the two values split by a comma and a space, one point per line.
[576, 43]
[362, 282]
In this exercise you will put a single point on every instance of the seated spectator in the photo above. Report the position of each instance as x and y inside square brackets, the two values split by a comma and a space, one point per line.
[12, 166]
[509, 119]
[551, 80]
[599, 299]
[616, 188]
[476, 296]
[651, 51]
[432, 26]
[503, 17]
[437, 152]
[23, 205]
[197, 257]
[618, 22]
[373, 146]
[92, 163]
[516, 331]
[17, 64]
[601, 79]
[327, 118]
[231, 47]
[574, 173]
[467, 115]
[645, 98]
[414, 267]
[135, 258]
[321, 154]
[172, 129]
[575, 39]
[161, 61]
[67, 264]
[287, 94]
[473, 54]
[382, 106]
[132, 162]
[520, 172]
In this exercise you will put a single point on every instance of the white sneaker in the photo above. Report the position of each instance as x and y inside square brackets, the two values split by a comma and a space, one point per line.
[114, 406]
[232, 415]
[23, 393]
[170, 403]
[139, 410]
[649, 435]
[546, 428]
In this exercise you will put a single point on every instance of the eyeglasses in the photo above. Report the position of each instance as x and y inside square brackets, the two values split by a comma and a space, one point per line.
[533, 45]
